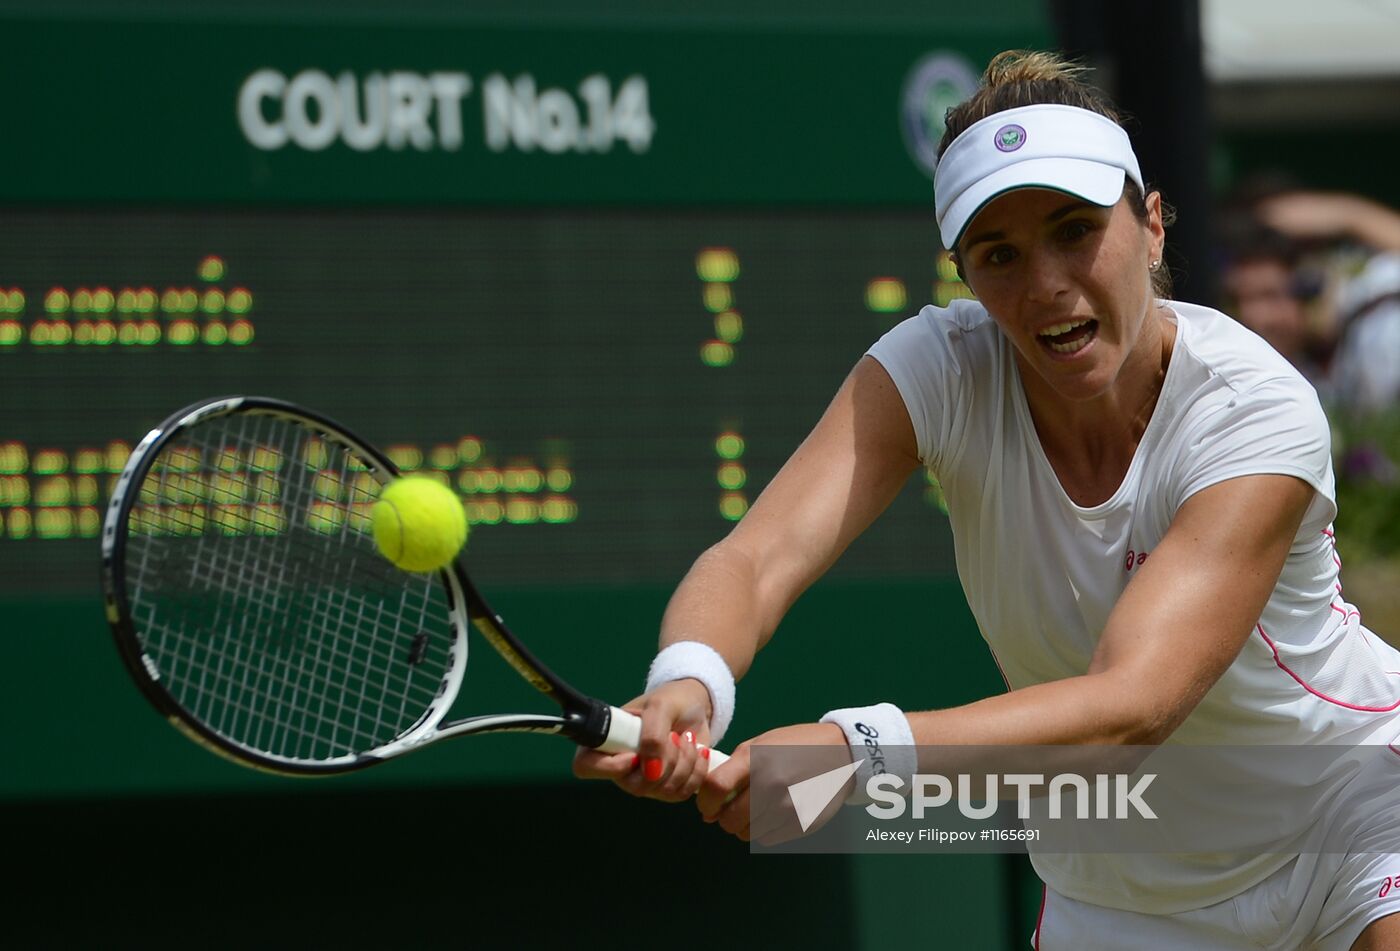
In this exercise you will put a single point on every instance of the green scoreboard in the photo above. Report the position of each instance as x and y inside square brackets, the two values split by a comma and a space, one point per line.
[601, 269]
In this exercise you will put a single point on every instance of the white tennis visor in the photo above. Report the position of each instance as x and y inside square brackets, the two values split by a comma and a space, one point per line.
[1063, 148]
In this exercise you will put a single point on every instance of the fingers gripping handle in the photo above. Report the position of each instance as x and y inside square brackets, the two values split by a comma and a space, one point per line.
[625, 735]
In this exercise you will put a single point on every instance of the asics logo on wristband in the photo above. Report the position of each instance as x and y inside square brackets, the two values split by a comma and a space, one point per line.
[872, 747]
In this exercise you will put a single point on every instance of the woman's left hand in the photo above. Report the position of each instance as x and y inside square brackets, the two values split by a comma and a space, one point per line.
[758, 808]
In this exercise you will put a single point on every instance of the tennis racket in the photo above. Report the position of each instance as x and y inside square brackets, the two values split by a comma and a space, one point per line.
[251, 607]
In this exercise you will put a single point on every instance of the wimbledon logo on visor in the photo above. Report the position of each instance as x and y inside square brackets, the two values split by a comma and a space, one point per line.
[1009, 138]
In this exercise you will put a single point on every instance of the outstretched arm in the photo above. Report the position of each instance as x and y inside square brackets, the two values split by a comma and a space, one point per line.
[1174, 631]
[1179, 624]
[844, 474]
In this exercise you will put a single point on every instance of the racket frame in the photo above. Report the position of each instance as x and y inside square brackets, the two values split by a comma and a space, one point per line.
[584, 720]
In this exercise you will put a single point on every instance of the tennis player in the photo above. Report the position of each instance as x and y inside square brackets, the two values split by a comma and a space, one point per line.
[1141, 496]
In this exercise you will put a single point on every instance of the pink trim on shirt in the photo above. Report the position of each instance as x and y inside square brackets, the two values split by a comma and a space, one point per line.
[1336, 559]
[1310, 689]
[1346, 615]
[1040, 918]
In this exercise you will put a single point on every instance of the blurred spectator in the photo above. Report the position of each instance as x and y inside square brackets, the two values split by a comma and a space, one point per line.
[1331, 217]
[1366, 371]
[1265, 291]
[1317, 274]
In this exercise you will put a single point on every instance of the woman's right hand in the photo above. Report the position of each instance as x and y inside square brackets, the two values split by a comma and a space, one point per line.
[672, 758]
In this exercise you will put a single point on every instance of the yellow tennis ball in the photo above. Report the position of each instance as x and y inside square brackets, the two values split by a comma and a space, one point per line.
[419, 524]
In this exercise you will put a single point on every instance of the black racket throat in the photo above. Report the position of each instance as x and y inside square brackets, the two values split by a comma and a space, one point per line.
[586, 720]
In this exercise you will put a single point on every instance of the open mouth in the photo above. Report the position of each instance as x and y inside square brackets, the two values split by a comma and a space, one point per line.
[1070, 336]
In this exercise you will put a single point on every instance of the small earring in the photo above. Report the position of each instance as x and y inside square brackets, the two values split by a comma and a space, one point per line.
[1154, 265]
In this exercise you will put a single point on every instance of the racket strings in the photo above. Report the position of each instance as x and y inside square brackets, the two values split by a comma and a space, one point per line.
[263, 603]
[337, 667]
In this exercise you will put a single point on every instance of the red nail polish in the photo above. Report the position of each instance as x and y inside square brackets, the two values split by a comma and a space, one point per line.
[635, 760]
[675, 738]
[705, 752]
[653, 770]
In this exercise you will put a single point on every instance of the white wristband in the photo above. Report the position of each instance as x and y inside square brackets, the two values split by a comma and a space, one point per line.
[692, 659]
[881, 743]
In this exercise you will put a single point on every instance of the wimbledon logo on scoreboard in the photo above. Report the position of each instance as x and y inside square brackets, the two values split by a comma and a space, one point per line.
[313, 110]
[937, 82]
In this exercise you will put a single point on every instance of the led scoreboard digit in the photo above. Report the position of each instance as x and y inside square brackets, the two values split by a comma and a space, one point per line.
[600, 295]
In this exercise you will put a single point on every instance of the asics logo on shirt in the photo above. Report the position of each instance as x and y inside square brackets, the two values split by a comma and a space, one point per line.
[1134, 559]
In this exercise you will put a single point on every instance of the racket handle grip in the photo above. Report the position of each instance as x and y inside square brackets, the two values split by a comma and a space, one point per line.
[625, 734]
